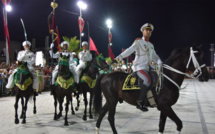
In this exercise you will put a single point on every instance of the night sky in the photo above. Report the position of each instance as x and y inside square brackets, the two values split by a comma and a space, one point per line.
[178, 23]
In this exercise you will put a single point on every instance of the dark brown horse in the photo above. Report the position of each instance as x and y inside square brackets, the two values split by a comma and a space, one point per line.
[24, 90]
[111, 85]
[64, 87]
[98, 63]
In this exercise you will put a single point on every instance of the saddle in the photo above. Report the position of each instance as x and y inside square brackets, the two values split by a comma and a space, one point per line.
[131, 83]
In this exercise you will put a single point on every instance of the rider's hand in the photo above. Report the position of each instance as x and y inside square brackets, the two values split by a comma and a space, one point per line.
[119, 58]
[52, 45]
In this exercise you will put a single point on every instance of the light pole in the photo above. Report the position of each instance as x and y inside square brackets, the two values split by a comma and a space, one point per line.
[109, 25]
[6, 9]
[82, 6]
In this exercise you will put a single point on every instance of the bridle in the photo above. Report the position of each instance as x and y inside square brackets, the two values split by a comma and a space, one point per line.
[198, 68]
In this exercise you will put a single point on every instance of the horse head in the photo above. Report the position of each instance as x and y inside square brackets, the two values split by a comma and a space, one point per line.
[22, 72]
[63, 69]
[100, 63]
[195, 63]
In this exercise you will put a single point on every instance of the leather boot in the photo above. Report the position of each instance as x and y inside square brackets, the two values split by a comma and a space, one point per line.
[142, 98]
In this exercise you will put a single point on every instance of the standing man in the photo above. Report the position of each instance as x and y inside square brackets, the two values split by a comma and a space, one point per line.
[64, 46]
[27, 56]
[84, 57]
[145, 54]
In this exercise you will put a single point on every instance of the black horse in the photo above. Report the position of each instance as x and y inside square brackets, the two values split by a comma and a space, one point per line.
[111, 85]
[64, 87]
[92, 69]
[23, 88]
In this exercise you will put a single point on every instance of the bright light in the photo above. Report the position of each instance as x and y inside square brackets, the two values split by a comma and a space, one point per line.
[82, 5]
[109, 23]
[111, 44]
[8, 8]
[82, 34]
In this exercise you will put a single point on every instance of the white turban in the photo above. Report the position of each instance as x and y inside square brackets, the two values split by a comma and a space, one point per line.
[147, 25]
[84, 42]
[74, 53]
[64, 42]
[26, 43]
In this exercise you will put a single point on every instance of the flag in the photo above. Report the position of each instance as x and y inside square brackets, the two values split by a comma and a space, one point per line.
[81, 24]
[58, 39]
[110, 53]
[7, 37]
[93, 46]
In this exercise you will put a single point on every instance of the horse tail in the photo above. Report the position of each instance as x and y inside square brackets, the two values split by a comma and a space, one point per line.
[97, 102]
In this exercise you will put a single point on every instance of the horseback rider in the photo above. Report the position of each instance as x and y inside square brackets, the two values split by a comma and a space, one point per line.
[84, 57]
[145, 54]
[72, 65]
[27, 56]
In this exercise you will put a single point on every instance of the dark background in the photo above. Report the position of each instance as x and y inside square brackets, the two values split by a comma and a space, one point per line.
[178, 23]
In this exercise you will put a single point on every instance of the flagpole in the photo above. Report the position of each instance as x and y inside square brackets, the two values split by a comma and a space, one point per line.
[54, 5]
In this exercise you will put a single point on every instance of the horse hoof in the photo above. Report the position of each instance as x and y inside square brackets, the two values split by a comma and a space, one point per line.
[23, 121]
[73, 113]
[21, 116]
[55, 118]
[66, 123]
[97, 130]
[16, 121]
[91, 117]
[84, 118]
[35, 111]
[76, 108]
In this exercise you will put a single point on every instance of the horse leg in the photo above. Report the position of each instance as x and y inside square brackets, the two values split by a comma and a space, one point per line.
[66, 110]
[22, 113]
[78, 102]
[16, 108]
[35, 109]
[162, 122]
[111, 114]
[73, 112]
[25, 109]
[91, 99]
[60, 100]
[168, 111]
[85, 103]
[103, 111]
[55, 105]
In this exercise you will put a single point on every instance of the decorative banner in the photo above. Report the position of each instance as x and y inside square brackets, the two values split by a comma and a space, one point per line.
[81, 24]
[109, 36]
[6, 2]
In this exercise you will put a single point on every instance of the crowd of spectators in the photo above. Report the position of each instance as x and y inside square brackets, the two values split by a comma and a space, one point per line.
[44, 75]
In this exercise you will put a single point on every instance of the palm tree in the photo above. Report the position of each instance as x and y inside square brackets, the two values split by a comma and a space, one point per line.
[73, 44]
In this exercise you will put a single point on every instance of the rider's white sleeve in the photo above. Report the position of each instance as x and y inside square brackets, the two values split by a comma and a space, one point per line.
[129, 50]
[56, 55]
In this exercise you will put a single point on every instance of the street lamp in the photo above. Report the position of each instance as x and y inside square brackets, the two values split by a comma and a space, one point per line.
[109, 25]
[82, 6]
[8, 8]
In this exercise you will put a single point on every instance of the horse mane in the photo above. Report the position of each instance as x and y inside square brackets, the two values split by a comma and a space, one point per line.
[176, 53]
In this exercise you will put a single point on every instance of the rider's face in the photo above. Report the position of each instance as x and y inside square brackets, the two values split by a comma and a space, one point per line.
[147, 32]
[85, 47]
[65, 46]
[26, 47]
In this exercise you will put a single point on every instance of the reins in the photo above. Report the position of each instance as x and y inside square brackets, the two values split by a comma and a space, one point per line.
[193, 75]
